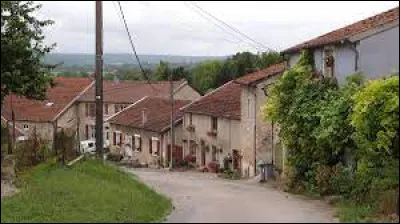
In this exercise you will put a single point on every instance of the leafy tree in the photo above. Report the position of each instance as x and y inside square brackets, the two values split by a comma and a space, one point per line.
[22, 50]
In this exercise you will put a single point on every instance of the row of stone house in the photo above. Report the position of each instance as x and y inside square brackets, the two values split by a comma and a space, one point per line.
[227, 122]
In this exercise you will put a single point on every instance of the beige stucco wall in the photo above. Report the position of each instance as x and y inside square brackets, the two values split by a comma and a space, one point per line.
[144, 155]
[227, 139]
[265, 139]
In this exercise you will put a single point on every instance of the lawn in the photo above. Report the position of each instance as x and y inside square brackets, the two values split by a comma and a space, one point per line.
[89, 191]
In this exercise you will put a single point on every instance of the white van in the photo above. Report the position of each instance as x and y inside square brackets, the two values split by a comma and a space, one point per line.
[89, 146]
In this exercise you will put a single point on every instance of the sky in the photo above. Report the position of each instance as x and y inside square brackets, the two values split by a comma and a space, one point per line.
[176, 28]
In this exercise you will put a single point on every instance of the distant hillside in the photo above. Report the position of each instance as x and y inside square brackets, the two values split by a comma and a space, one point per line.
[122, 59]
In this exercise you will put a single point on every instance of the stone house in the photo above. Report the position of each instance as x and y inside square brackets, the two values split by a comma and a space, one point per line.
[370, 46]
[229, 122]
[58, 110]
[211, 127]
[142, 131]
[259, 137]
[117, 95]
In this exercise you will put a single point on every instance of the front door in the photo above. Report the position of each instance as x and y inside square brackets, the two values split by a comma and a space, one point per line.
[203, 156]
[236, 160]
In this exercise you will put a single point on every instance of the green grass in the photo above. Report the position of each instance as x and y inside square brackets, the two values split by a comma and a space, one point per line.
[89, 191]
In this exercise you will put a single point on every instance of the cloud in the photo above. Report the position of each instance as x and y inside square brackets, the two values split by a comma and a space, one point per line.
[174, 28]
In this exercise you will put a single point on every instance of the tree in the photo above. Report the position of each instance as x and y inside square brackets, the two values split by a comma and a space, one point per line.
[22, 51]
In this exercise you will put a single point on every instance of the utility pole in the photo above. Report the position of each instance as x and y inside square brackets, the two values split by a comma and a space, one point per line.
[172, 142]
[99, 78]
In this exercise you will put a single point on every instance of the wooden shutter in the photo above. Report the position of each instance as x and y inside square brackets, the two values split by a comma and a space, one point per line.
[150, 146]
[121, 139]
[114, 138]
[140, 144]
[87, 131]
[86, 110]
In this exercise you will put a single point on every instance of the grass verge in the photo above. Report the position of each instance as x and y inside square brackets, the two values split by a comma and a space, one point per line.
[89, 191]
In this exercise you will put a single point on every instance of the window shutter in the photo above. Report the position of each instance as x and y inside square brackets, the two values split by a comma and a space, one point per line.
[87, 131]
[86, 110]
[114, 138]
[150, 146]
[121, 139]
[140, 144]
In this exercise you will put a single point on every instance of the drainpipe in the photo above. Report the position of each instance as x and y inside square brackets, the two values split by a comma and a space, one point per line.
[255, 131]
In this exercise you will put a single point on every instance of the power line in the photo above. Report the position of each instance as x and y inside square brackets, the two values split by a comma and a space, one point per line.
[222, 28]
[232, 28]
[133, 46]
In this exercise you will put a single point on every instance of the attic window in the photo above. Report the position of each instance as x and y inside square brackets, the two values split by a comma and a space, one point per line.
[49, 104]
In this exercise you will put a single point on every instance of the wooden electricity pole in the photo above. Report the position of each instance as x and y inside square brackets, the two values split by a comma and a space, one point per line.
[99, 78]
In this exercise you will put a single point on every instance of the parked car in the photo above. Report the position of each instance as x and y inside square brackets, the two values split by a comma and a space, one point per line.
[89, 146]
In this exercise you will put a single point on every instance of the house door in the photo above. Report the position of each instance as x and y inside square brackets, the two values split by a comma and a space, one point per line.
[203, 155]
[236, 159]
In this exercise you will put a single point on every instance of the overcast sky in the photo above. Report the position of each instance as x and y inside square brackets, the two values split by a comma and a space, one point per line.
[175, 28]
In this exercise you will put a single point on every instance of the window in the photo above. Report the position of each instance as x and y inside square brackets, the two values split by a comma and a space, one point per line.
[93, 131]
[329, 62]
[193, 149]
[106, 109]
[107, 135]
[117, 138]
[214, 153]
[190, 118]
[214, 123]
[116, 108]
[155, 146]
[138, 143]
[26, 127]
[92, 110]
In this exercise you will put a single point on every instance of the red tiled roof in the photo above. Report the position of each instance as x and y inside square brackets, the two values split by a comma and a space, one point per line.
[157, 110]
[64, 91]
[130, 91]
[348, 31]
[259, 75]
[222, 102]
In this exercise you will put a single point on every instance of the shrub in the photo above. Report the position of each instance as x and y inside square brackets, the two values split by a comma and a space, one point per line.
[181, 163]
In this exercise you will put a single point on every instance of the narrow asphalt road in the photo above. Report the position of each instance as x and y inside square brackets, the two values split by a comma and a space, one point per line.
[202, 197]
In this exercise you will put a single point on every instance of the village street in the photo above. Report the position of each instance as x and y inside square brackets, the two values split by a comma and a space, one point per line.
[202, 197]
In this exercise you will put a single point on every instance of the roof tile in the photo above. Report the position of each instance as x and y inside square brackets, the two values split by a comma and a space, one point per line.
[157, 110]
[348, 31]
[222, 102]
[57, 98]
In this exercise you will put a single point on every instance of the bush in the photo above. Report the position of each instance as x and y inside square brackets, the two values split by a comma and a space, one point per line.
[230, 174]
